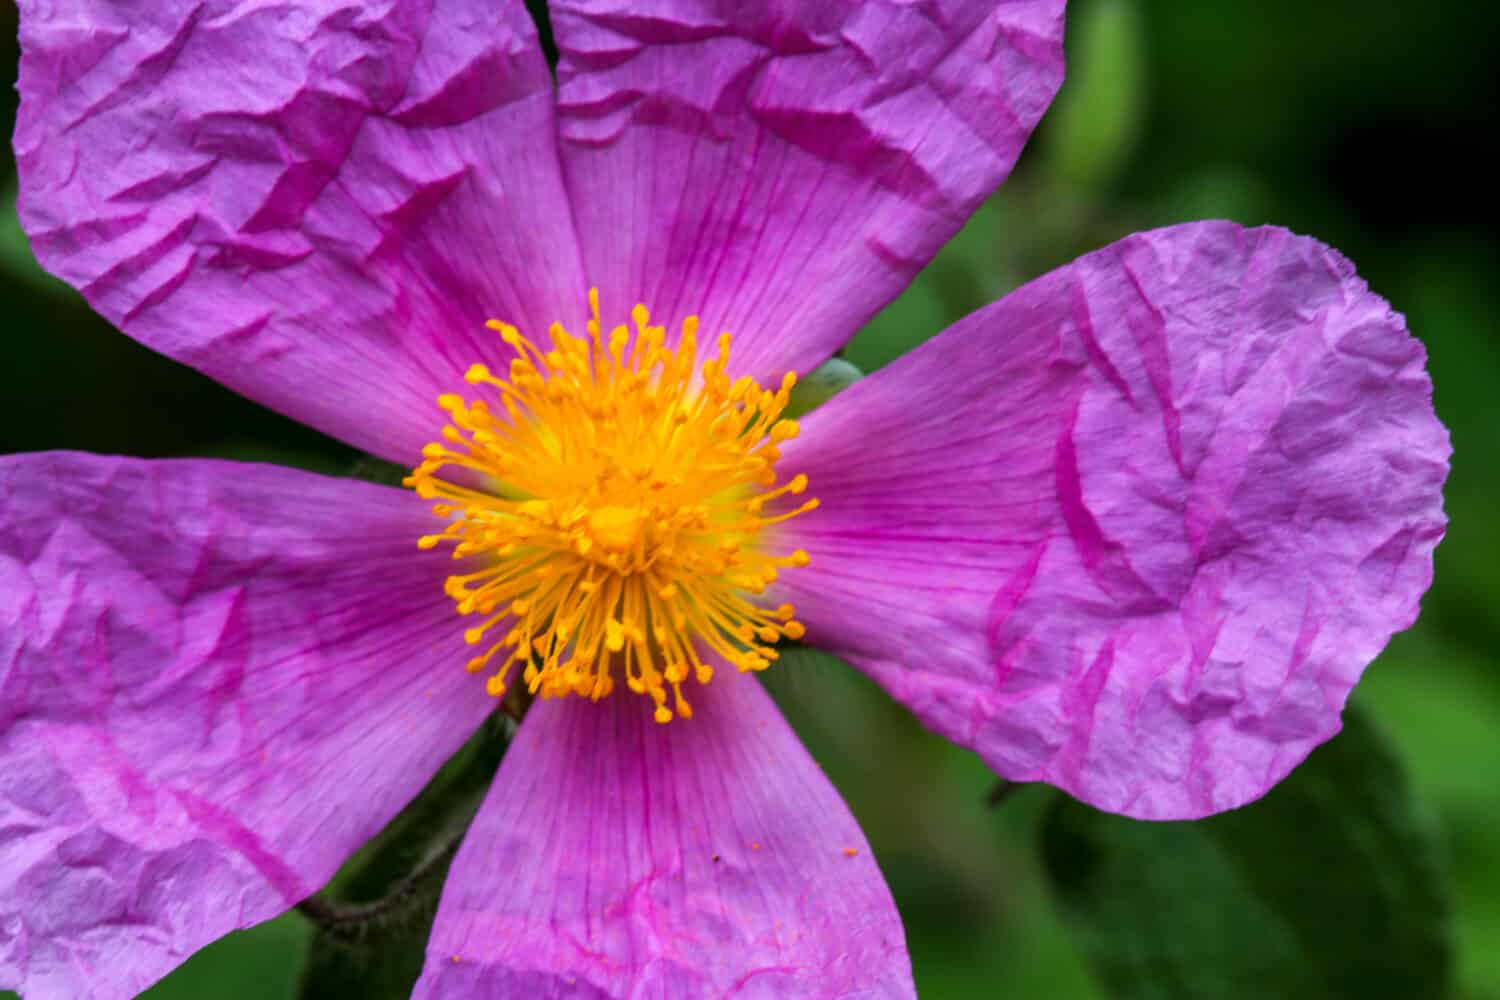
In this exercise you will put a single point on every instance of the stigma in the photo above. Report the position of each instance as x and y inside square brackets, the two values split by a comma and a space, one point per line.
[614, 502]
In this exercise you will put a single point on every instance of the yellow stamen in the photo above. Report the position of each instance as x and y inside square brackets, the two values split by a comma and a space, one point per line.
[612, 495]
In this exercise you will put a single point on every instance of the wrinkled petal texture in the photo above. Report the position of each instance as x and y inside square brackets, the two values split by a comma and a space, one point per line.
[1137, 528]
[784, 170]
[316, 202]
[216, 681]
[618, 857]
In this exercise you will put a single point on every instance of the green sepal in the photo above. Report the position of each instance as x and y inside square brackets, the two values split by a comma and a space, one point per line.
[820, 385]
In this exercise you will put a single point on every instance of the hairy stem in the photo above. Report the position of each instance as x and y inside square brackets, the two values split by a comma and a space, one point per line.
[350, 921]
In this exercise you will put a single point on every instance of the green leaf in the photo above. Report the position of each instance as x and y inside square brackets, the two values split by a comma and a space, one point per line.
[373, 921]
[1327, 887]
[254, 964]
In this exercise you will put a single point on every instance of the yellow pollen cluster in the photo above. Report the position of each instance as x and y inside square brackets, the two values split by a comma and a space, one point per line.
[612, 496]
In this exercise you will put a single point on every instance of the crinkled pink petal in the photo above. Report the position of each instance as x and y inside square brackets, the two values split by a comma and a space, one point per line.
[1137, 528]
[784, 170]
[710, 857]
[316, 202]
[216, 681]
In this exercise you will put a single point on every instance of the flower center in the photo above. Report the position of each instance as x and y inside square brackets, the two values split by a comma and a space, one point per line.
[612, 494]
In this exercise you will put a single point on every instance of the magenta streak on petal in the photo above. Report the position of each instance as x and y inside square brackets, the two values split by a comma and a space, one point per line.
[217, 680]
[1005, 601]
[315, 202]
[617, 857]
[1137, 528]
[785, 170]
[1105, 559]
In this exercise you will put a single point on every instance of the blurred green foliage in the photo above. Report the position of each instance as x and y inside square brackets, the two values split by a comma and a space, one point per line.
[1352, 121]
[1221, 907]
[1096, 122]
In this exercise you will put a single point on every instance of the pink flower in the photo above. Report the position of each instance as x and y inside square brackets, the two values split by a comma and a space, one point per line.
[1134, 530]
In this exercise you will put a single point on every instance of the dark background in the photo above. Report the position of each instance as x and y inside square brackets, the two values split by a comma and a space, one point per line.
[1364, 124]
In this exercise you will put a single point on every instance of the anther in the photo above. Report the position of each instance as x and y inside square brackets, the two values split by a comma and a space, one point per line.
[607, 504]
